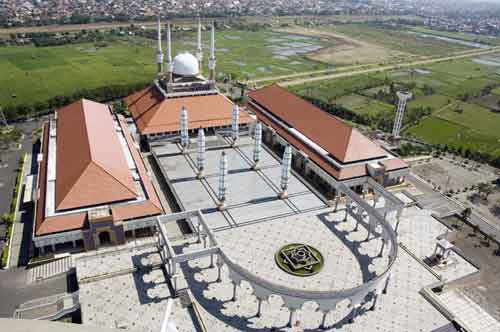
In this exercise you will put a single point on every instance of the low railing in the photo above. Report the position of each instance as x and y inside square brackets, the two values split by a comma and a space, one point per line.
[49, 308]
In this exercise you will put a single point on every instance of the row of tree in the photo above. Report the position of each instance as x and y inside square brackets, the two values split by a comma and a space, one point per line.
[102, 94]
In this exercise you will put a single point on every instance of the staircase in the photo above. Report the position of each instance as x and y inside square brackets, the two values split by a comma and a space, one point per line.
[49, 270]
[49, 308]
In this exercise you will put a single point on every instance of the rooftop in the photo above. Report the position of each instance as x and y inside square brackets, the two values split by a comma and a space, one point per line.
[154, 113]
[89, 162]
[334, 145]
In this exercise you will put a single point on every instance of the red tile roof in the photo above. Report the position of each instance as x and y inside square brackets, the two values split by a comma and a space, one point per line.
[340, 140]
[91, 167]
[153, 113]
[345, 143]
[72, 221]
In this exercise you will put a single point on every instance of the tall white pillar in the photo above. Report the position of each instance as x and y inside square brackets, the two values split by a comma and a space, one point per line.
[398, 121]
[258, 145]
[211, 59]
[170, 64]
[159, 52]
[223, 171]
[184, 129]
[199, 48]
[285, 171]
[201, 152]
[235, 123]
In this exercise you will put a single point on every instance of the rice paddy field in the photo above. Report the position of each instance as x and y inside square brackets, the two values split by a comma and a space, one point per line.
[31, 74]
[363, 105]
[470, 124]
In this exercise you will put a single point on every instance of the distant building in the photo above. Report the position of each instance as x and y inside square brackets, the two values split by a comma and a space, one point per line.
[93, 188]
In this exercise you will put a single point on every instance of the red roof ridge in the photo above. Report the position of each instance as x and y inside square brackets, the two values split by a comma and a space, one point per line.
[331, 133]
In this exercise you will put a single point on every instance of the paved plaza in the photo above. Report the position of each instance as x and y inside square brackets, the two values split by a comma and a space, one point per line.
[127, 289]
[448, 174]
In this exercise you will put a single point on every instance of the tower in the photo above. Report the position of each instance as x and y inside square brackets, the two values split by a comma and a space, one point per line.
[398, 121]
[170, 64]
[211, 59]
[199, 48]
[159, 52]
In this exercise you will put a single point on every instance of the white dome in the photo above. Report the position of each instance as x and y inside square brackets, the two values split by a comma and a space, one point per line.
[185, 64]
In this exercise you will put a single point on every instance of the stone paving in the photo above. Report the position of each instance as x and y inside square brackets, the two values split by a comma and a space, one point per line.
[127, 300]
[349, 261]
[469, 312]
[401, 309]
[251, 229]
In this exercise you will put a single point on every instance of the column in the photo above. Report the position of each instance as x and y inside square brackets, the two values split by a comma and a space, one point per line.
[322, 326]
[386, 284]
[234, 292]
[354, 313]
[347, 207]
[374, 304]
[219, 268]
[290, 319]
[259, 307]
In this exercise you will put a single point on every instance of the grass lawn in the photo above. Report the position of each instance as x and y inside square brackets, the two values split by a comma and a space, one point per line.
[363, 105]
[439, 131]
[474, 117]
[30, 74]
[398, 40]
[331, 89]
[496, 91]
[435, 102]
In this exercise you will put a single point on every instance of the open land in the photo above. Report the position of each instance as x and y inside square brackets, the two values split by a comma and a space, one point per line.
[31, 74]
[439, 87]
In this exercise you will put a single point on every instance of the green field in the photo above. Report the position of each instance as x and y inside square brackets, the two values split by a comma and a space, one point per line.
[398, 40]
[435, 102]
[472, 116]
[330, 89]
[496, 91]
[363, 105]
[439, 131]
[31, 74]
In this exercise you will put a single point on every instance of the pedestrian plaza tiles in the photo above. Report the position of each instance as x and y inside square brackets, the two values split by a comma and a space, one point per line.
[251, 229]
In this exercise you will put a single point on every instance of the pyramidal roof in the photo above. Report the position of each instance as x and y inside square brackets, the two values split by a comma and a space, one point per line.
[90, 163]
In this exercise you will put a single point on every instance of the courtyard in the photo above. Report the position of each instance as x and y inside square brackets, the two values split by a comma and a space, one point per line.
[252, 228]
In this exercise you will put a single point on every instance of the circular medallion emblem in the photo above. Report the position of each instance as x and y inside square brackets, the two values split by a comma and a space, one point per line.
[299, 259]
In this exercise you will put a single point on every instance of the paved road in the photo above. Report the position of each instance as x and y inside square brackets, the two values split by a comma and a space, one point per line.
[8, 175]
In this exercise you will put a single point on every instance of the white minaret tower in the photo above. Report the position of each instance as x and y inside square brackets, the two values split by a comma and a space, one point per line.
[211, 59]
[199, 48]
[398, 121]
[159, 52]
[170, 64]
[286, 165]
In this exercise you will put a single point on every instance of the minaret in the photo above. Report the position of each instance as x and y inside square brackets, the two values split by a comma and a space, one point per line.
[170, 65]
[211, 59]
[199, 49]
[159, 52]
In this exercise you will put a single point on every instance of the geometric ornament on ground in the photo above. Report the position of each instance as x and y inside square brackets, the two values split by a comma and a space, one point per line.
[299, 259]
